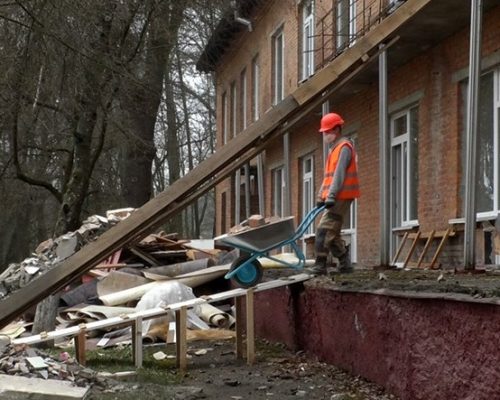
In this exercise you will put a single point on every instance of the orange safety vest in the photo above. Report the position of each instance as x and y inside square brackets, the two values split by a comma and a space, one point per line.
[350, 187]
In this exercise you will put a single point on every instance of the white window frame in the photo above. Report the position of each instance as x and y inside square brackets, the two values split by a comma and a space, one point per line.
[308, 190]
[279, 186]
[307, 39]
[234, 110]
[278, 65]
[243, 89]
[403, 141]
[225, 118]
[255, 83]
[341, 40]
[492, 214]
[350, 226]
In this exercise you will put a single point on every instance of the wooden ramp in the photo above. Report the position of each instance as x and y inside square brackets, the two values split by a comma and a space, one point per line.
[245, 146]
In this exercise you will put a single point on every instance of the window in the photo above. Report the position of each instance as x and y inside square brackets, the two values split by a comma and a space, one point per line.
[243, 86]
[308, 194]
[225, 119]
[404, 167]
[255, 87]
[234, 108]
[307, 39]
[346, 24]
[393, 4]
[350, 221]
[223, 221]
[278, 65]
[488, 143]
[278, 191]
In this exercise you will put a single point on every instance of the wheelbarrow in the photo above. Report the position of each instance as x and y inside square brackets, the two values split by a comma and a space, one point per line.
[246, 270]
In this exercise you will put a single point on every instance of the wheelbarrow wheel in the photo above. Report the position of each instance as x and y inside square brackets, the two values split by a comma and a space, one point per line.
[249, 275]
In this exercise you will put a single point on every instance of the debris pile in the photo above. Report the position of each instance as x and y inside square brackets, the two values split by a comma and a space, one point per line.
[34, 363]
[52, 252]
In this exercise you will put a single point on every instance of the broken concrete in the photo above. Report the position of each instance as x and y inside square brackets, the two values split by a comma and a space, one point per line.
[21, 388]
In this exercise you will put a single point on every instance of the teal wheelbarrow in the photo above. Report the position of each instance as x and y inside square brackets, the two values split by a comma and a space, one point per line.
[246, 270]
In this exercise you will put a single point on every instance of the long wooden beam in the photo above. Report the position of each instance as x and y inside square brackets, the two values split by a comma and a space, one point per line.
[206, 175]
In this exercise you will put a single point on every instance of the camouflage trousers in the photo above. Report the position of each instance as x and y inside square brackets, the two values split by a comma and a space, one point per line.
[328, 237]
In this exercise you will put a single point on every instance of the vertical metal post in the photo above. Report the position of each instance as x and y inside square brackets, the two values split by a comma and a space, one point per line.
[471, 132]
[286, 157]
[247, 190]
[237, 196]
[384, 155]
[260, 183]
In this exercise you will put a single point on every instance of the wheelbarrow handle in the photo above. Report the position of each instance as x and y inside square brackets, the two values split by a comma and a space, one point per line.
[308, 219]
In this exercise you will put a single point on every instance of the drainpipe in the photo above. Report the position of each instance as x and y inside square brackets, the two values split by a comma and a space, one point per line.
[260, 184]
[286, 152]
[384, 156]
[237, 196]
[247, 190]
[472, 129]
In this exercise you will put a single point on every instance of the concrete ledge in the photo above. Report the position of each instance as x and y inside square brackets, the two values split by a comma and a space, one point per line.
[21, 388]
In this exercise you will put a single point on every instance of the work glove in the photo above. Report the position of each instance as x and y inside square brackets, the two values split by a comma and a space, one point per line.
[329, 202]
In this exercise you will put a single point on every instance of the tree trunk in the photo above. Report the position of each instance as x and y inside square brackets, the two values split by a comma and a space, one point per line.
[141, 99]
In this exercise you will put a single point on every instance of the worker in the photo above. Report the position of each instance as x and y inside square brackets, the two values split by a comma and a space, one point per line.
[340, 187]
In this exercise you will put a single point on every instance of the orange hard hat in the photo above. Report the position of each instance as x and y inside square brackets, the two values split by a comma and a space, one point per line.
[330, 121]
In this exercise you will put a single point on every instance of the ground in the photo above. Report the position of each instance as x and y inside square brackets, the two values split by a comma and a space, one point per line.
[480, 284]
[276, 374]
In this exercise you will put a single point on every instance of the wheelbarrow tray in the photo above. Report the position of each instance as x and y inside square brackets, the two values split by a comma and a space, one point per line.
[264, 237]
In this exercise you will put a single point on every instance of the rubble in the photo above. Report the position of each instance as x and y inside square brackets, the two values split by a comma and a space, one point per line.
[51, 252]
[34, 363]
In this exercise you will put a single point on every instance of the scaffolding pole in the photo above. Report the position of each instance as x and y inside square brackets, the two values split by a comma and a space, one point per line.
[471, 132]
[384, 155]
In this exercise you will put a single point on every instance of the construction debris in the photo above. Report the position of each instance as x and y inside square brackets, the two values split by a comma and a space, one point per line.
[28, 362]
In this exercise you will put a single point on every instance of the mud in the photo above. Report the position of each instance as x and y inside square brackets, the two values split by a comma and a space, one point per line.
[276, 374]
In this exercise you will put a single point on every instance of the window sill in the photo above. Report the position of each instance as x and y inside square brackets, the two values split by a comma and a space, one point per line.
[408, 227]
[479, 218]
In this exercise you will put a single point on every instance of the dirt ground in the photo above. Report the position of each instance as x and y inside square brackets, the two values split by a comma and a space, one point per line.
[480, 284]
[276, 374]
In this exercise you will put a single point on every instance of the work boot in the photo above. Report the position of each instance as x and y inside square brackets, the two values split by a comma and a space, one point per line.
[319, 267]
[345, 265]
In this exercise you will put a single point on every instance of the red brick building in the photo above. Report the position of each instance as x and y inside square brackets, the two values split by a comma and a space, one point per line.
[263, 51]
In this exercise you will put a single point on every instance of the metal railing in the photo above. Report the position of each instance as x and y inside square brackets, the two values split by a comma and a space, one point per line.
[345, 22]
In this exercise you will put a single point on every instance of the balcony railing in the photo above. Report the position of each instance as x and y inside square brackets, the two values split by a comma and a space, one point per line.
[345, 22]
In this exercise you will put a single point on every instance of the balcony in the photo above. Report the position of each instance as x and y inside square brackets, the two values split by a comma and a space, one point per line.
[345, 22]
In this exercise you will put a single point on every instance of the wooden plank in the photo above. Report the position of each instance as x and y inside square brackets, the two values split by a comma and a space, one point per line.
[411, 264]
[400, 248]
[426, 247]
[250, 325]
[80, 346]
[181, 338]
[137, 342]
[238, 304]
[425, 235]
[440, 247]
[145, 256]
[412, 249]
